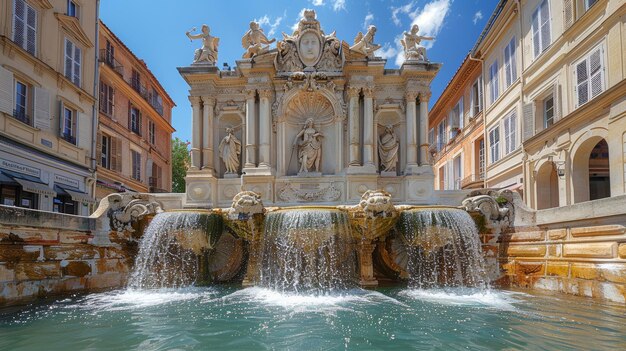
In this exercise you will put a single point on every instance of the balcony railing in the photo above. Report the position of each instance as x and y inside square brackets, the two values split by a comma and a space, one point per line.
[108, 59]
[471, 180]
[21, 116]
[69, 138]
[135, 83]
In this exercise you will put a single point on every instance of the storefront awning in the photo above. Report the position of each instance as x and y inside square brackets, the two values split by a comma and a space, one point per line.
[75, 194]
[34, 187]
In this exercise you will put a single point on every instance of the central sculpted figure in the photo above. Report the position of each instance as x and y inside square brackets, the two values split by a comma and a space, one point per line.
[230, 149]
[388, 150]
[309, 48]
[208, 52]
[309, 147]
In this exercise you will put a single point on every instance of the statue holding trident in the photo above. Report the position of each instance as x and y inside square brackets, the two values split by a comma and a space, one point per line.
[208, 52]
[411, 41]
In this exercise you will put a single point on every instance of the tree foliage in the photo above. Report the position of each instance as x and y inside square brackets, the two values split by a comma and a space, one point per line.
[180, 163]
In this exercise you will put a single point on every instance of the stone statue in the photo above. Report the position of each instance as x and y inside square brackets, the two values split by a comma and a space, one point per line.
[309, 47]
[411, 41]
[230, 149]
[309, 147]
[254, 41]
[388, 150]
[365, 43]
[208, 52]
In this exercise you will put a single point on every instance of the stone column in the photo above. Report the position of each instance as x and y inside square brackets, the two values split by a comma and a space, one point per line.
[366, 248]
[355, 143]
[196, 136]
[411, 130]
[207, 132]
[265, 127]
[368, 127]
[424, 160]
[250, 129]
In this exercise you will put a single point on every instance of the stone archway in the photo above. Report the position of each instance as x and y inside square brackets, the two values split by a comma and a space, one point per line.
[590, 169]
[547, 186]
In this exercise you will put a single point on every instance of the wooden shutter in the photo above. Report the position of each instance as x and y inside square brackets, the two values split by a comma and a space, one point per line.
[42, 108]
[480, 93]
[76, 65]
[6, 91]
[545, 25]
[19, 23]
[99, 148]
[461, 114]
[568, 13]
[61, 117]
[535, 36]
[581, 83]
[528, 110]
[75, 125]
[69, 53]
[596, 72]
[556, 99]
[31, 30]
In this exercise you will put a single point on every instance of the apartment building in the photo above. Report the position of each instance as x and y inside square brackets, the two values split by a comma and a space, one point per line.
[134, 130]
[456, 131]
[47, 104]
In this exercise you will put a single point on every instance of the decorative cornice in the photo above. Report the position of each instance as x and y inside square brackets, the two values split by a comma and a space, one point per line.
[72, 25]
[44, 4]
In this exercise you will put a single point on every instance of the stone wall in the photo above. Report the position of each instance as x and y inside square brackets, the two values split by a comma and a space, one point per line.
[41, 256]
[578, 249]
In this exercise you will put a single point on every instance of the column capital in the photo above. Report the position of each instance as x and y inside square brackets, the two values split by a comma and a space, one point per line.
[425, 96]
[266, 93]
[353, 91]
[208, 101]
[410, 96]
[195, 100]
[368, 92]
[249, 93]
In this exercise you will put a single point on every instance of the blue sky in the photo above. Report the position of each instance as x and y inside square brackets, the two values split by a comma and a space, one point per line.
[155, 31]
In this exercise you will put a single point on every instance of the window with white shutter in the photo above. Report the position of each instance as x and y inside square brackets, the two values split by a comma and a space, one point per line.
[510, 132]
[476, 98]
[541, 28]
[25, 26]
[72, 62]
[589, 76]
[136, 163]
[510, 66]
[441, 135]
[494, 144]
[493, 82]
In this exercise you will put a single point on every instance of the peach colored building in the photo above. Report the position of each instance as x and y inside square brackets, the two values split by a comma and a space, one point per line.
[134, 130]
[456, 131]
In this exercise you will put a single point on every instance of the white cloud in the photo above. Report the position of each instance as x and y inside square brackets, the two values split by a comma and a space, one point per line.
[395, 11]
[368, 20]
[477, 17]
[300, 16]
[339, 5]
[387, 51]
[266, 21]
[430, 19]
[317, 2]
[400, 49]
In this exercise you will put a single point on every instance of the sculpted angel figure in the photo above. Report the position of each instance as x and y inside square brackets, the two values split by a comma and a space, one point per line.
[208, 52]
[230, 149]
[365, 43]
[411, 41]
[309, 147]
[388, 150]
[254, 41]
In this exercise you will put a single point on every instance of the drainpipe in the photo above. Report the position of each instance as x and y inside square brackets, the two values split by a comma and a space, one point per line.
[94, 124]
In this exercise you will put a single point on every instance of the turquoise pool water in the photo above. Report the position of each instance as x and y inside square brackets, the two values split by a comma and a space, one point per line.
[230, 318]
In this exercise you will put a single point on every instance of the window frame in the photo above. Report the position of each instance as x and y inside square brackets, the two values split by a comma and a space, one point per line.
[135, 165]
[152, 132]
[135, 120]
[494, 84]
[76, 9]
[26, 117]
[476, 104]
[586, 59]
[544, 43]
[26, 26]
[494, 146]
[510, 138]
[72, 137]
[105, 151]
[75, 76]
[510, 65]
[107, 96]
[548, 122]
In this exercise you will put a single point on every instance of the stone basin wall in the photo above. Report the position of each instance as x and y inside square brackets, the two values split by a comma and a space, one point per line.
[44, 254]
[578, 250]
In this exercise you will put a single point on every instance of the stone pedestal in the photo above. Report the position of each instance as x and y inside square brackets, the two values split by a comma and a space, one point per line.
[418, 186]
[389, 174]
[309, 174]
[201, 189]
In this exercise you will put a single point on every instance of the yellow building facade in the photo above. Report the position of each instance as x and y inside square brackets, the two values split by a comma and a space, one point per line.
[48, 97]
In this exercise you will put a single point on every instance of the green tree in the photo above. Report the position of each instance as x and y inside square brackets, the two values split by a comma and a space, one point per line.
[180, 163]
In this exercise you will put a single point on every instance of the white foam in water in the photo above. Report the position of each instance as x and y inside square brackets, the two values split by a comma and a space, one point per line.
[465, 297]
[137, 299]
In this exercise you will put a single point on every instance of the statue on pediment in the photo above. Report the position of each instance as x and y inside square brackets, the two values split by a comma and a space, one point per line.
[411, 43]
[365, 43]
[208, 52]
[308, 49]
[254, 41]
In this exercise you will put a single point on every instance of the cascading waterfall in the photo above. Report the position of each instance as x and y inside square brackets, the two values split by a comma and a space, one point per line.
[174, 248]
[443, 248]
[307, 250]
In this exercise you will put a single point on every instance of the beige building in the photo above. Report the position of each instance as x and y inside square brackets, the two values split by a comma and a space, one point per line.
[134, 130]
[553, 75]
[456, 134]
[47, 104]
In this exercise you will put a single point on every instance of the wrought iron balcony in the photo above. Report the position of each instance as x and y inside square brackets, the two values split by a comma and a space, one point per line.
[21, 116]
[152, 99]
[69, 138]
[108, 59]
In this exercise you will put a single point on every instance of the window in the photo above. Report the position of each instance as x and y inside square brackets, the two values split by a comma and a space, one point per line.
[589, 3]
[72, 62]
[493, 82]
[25, 26]
[510, 66]
[441, 135]
[589, 76]
[135, 120]
[64, 204]
[476, 97]
[136, 160]
[155, 180]
[152, 132]
[455, 119]
[135, 80]
[481, 159]
[431, 136]
[106, 99]
[72, 9]
[68, 125]
[458, 172]
[541, 28]
[11, 195]
[22, 102]
[510, 132]
[494, 144]
[105, 151]
[548, 111]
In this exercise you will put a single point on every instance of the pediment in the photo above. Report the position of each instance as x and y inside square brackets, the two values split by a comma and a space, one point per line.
[44, 4]
[72, 25]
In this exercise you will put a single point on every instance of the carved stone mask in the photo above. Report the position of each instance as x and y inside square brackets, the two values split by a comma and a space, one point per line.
[309, 48]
